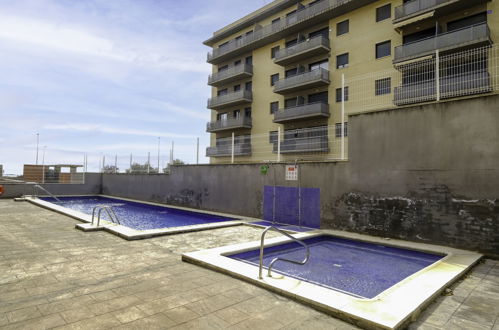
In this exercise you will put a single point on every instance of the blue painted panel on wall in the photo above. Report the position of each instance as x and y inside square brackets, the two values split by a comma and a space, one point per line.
[286, 205]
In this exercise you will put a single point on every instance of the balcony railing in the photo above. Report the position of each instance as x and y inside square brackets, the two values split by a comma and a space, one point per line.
[228, 124]
[226, 150]
[305, 111]
[300, 17]
[303, 145]
[314, 78]
[308, 48]
[222, 101]
[474, 34]
[414, 7]
[469, 83]
[233, 73]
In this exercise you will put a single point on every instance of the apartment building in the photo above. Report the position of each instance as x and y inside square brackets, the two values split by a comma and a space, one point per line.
[286, 77]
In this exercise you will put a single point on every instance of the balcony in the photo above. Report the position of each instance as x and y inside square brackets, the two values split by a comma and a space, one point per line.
[231, 74]
[228, 124]
[300, 112]
[470, 36]
[302, 50]
[303, 140]
[470, 83]
[222, 101]
[223, 148]
[417, 10]
[294, 23]
[311, 79]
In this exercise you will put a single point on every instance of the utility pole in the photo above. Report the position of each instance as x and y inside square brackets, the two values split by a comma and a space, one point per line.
[159, 144]
[37, 144]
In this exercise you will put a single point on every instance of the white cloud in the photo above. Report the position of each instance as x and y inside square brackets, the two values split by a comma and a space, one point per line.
[114, 130]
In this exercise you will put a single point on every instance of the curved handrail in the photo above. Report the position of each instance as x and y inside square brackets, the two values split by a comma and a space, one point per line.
[262, 239]
[110, 213]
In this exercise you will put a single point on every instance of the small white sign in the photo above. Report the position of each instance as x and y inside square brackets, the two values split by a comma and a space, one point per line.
[292, 172]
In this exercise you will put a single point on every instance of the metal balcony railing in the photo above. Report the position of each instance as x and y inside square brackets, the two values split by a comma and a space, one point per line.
[304, 111]
[231, 123]
[469, 83]
[300, 16]
[226, 150]
[233, 73]
[307, 48]
[304, 80]
[302, 145]
[469, 35]
[414, 7]
[221, 101]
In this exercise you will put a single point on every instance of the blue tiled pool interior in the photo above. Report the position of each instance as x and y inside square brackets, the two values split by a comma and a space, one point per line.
[137, 215]
[357, 268]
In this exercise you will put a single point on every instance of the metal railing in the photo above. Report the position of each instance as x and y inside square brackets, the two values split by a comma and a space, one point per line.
[302, 111]
[262, 241]
[314, 77]
[231, 98]
[302, 48]
[232, 72]
[304, 144]
[416, 6]
[300, 16]
[468, 35]
[230, 123]
[243, 149]
[110, 213]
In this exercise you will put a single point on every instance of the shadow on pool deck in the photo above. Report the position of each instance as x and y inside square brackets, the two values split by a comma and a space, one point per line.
[53, 276]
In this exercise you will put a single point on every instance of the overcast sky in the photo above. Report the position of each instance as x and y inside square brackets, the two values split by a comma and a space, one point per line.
[106, 77]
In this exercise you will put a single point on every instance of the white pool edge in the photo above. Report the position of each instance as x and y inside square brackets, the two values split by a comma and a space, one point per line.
[134, 234]
[392, 309]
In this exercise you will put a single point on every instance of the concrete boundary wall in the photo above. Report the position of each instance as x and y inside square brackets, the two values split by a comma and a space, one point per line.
[426, 173]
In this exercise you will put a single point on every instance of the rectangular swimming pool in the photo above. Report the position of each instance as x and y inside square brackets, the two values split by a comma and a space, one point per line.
[138, 215]
[137, 220]
[369, 281]
[360, 269]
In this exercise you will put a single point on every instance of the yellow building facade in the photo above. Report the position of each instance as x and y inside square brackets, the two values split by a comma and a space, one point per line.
[286, 77]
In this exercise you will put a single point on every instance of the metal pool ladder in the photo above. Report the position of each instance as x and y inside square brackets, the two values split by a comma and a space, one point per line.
[110, 213]
[262, 239]
[44, 190]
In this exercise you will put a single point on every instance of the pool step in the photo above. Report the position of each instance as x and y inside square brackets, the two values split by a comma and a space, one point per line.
[88, 227]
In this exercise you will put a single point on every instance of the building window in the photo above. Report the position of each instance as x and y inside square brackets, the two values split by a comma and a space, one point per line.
[383, 49]
[342, 61]
[291, 43]
[248, 86]
[223, 68]
[249, 60]
[383, 13]
[236, 113]
[273, 136]
[237, 88]
[338, 129]
[238, 39]
[222, 116]
[319, 65]
[342, 27]
[338, 94]
[236, 63]
[383, 86]
[274, 107]
[249, 33]
[291, 72]
[321, 97]
[322, 32]
[222, 92]
[274, 51]
[247, 112]
[273, 79]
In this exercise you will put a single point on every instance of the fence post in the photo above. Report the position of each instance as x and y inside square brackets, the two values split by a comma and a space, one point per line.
[437, 73]
[115, 164]
[232, 150]
[103, 163]
[278, 143]
[343, 116]
[148, 162]
[197, 152]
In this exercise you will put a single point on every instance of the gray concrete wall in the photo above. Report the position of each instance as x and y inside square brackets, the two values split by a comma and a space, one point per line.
[92, 186]
[426, 173]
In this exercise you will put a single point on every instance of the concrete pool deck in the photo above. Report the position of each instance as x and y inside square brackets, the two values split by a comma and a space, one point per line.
[53, 276]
